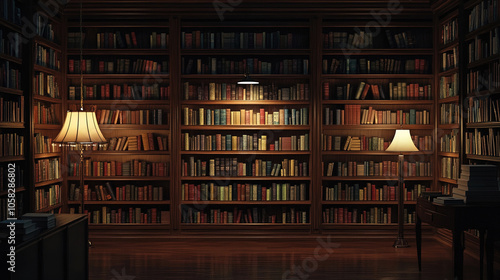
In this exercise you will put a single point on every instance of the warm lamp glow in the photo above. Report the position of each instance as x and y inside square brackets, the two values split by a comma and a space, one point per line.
[80, 127]
[402, 142]
[247, 81]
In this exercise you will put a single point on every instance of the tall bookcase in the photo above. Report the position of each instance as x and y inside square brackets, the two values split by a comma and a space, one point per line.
[245, 149]
[126, 82]
[372, 84]
[12, 117]
[46, 110]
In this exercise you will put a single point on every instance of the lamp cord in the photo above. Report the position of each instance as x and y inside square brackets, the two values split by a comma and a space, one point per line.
[81, 56]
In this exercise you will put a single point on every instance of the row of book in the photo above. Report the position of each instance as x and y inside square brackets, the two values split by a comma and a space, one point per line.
[10, 10]
[47, 57]
[10, 44]
[366, 143]
[211, 116]
[226, 91]
[45, 85]
[355, 115]
[222, 65]
[449, 31]
[370, 192]
[44, 28]
[449, 113]
[449, 142]
[128, 40]
[364, 90]
[12, 110]
[449, 59]
[47, 169]
[104, 192]
[364, 39]
[5, 170]
[133, 167]
[372, 168]
[151, 116]
[243, 215]
[340, 65]
[199, 39]
[47, 196]
[482, 110]
[117, 66]
[44, 113]
[244, 192]
[144, 142]
[9, 77]
[449, 167]
[482, 47]
[485, 79]
[478, 184]
[482, 142]
[124, 91]
[483, 13]
[231, 167]
[12, 144]
[373, 215]
[255, 142]
[448, 86]
[447, 188]
[43, 144]
[131, 215]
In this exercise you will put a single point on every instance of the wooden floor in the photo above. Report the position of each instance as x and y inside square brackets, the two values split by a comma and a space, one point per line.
[272, 259]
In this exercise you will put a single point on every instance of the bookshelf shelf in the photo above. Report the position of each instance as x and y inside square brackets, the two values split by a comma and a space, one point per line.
[49, 182]
[453, 99]
[47, 99]
[378, 126]
[447, 180]
[133, 126]
[247, 52]
[375, 153]
[483, 125]
[17, 190]
[124, 153]
[448, 72]
[47, 155]
[448, 154]
[237, 77]
[11, 158]
[47, 126]
[121, 102]
[449, 126]
[483, 61]
[231, 152]
[378, 52]
[481, 30]
[365, 202]
[11, 59]
[125, 226]
[119, 76]
[245, 127]
[449, 46]
[262, 226]
[11, 125]
[46, 70]
[10, 25]
[11, 91]
[120, 178]
[483, 158]
[377, 76]
[50, 208]
[245, 178]
[244, 102]
[47, 43]
[375, 178]
[120, 52]
[233, 202]
[379, 102]
[122, 202]
[483, 93]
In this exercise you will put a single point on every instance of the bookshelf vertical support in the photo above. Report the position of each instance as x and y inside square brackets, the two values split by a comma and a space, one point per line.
[400, 241]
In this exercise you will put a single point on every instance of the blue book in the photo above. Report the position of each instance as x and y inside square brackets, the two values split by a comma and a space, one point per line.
[228, 142]
[223, 117]
[216, 116]
[286, 117]
[208, 118]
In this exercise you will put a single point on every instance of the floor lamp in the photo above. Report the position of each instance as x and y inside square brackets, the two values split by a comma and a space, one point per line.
[401, 142]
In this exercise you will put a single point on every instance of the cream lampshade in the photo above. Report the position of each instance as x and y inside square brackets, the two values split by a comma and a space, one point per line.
[80, 128]
[402, 142]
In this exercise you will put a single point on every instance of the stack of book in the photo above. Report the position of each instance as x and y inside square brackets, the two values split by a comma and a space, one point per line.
[25, 229]
[42, 220]
[478, 184]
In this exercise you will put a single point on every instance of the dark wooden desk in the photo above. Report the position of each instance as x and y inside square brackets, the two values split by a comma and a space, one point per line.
[458, 218]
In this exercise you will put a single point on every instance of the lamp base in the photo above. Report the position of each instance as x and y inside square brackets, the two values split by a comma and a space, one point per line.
[400, 243]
